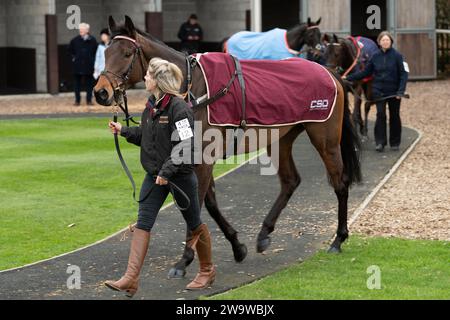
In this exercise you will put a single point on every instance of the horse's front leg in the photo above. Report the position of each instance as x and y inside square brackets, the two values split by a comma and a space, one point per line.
[365, 132]
[289, 179]
[204, 175]
[357, 115]
[179, 268]
[367, 105]
[239, 249]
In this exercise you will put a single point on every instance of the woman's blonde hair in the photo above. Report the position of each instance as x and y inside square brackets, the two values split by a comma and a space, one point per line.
[167, 75]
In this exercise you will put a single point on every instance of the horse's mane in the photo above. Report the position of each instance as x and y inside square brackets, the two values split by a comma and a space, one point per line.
[299, 27]
[350, 48]
[348, 51]
[121, 30]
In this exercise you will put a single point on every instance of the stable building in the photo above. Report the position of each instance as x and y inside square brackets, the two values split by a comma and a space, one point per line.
[34, 34]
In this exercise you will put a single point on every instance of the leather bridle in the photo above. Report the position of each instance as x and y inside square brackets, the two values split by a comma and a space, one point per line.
[138, 52]
[340, 69]
[119, 90]
[301, 45]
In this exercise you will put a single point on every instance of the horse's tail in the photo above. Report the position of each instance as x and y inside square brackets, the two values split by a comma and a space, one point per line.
[350, 143]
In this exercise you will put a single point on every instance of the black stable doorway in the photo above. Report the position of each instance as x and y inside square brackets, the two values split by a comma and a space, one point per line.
[280, 14]
[359, 17]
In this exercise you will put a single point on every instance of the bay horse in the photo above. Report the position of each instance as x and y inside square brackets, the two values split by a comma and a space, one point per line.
[344, 56]
[335, 140]
[304, 34]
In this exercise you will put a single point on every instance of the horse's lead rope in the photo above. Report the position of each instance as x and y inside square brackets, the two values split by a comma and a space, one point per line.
[358, 54]
[349, 84]
[130, 176]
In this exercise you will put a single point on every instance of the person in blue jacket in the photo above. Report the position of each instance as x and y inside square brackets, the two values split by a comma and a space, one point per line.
[390, 74]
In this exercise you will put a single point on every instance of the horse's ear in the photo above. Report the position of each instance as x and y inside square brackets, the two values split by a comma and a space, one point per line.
[130, 25]
[309, 22]
[318, 21]
[335, 38]
[326, 38]
[111, 23]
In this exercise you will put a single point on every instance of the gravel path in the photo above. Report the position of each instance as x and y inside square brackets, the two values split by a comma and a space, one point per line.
[62, 104]
[415, 203]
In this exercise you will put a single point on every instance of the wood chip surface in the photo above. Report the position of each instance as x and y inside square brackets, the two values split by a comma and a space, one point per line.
[415, 202]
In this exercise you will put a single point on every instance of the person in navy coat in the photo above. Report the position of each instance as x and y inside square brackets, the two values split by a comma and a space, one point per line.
[191, 35]
[390, 76]
[82, 49]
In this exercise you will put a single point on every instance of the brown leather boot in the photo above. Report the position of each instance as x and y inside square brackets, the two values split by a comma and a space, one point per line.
[201, 240]
[129, 281]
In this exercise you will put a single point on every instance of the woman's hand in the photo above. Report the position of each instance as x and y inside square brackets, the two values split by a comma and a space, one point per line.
[161, 181]
[115, 127]
[398, 98]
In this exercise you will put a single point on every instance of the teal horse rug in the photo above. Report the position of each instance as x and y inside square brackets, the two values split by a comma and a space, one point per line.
[270, 45]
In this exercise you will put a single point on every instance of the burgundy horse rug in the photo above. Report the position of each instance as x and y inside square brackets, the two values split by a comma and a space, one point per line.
[266, 93]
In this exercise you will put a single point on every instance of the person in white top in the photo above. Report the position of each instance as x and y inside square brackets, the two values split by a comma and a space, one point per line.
[100, 55]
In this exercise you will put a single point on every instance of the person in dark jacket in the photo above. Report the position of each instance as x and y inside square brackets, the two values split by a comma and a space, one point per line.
[390, 76]
[82, 49]
[166, 139]
[190, 34]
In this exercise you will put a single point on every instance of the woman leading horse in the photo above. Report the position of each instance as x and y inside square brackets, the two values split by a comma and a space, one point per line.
[335, 139]
[159, 135]
[390, 79]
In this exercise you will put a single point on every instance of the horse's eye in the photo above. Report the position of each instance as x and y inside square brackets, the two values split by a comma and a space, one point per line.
[128, 54]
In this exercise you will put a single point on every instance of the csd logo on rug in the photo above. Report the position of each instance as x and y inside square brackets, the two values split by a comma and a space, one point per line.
[319, 104]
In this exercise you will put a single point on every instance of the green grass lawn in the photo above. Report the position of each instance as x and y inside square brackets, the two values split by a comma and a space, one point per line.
[409, 270]
[58, 172]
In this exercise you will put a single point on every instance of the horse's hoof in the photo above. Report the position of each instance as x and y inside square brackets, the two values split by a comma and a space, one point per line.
[263, 244]
[175, 273]
[240, 252]
[334, 249]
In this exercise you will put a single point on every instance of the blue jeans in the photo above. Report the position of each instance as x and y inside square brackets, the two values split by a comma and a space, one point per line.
[149, 208]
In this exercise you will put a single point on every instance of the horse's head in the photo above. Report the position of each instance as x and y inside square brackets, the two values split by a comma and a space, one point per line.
[337, 54]
[305, 34]
[125, 63]
[318, 54]
[312, 34]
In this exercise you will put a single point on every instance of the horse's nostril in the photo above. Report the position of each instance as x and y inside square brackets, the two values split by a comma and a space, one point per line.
[102, 97]
[103, 94]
